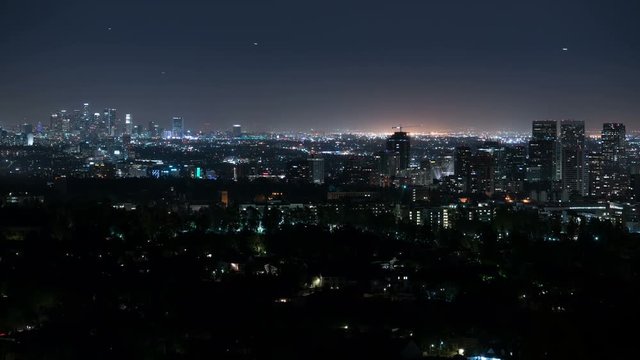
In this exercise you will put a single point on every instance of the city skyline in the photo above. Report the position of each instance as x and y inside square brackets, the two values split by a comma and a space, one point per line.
[337, 179]
[349, 65]
[592, 128]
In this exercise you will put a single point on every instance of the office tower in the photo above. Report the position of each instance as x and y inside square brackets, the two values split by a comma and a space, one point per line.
[542, 151]
[55, 123]
[86, 115]
[177, 127]
[615, 175]
[26, 129]
[594, 174]
[128, 124]
[573, 167]
[399, 143]
[94, 123]
[153, 130]
[386, 163]
[108, 124]
[462, 161]
[76, 120]
[613, 143]
[317, 170]
[462, 158]
[482, 174]
[236, 131]
[66, 122]
[516, 172]
[544, 130]
[500, 168]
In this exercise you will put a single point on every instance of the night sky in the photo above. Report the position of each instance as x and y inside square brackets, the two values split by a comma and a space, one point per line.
[360, 65]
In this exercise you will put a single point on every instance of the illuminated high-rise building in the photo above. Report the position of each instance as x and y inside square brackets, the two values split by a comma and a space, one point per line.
[544, 130]
[613, 143]
[399, 142]
[86, 115]
[108, 123]
[542, 151]
[236, 131]
[594, 174]
[516, 162]
[387, 164]
[26, 129]
[572, 142]
[95, 123]
[128, 124]
[498, 152]
[153, 129]
[462, 158]
[462, 161]
[55, 122]
[177, 127]
[482, 179]
[66, 122]
[615, 175]
[317, 170]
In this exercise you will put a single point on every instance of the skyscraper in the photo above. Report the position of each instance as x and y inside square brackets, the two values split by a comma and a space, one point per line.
[177, 127]
[542, 151]
[572, 155]
[482, 173]
[500, 168]
[462, 161]
[128, 124]
[66, 122]
[152, 129]
[317, 170]
[399, 143]
[613, 143]
[462, 158]
[594, 168]
[26, 129]
[237, 131]
[544, 130]
[387, 163]
[55, 123]
[108, 124]
[86, 115]
[615, 175]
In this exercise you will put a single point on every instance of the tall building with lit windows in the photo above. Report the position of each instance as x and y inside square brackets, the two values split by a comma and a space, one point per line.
[613, 143]
[128, 124]
[86, 115]
[399, 142]
[177, 127]
[594, 171]
[615, 175]
[572, 143]
[236, 131]
[316, 170]
[542, 151]
[108, 123]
